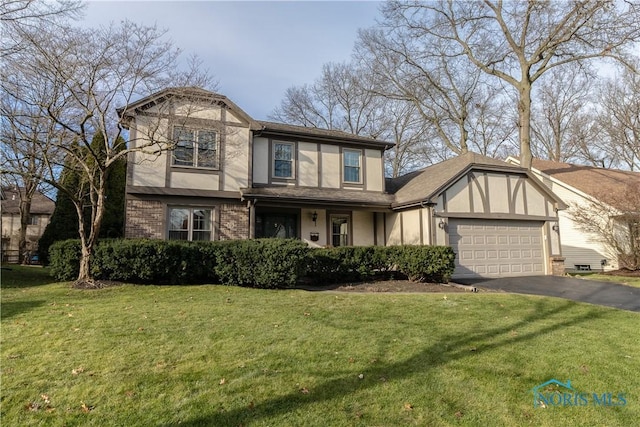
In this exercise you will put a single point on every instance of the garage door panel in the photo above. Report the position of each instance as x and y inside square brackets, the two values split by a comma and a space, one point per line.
[489, 248]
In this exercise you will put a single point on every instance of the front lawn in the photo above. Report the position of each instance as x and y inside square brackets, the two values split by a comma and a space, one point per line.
[226, 356]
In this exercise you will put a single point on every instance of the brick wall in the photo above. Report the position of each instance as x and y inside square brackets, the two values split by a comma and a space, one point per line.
[144, 219]
[234, 222]
[557, 266]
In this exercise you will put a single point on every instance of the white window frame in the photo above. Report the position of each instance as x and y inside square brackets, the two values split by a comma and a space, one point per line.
[196, 147]
[189, 229]
[292, 160]
[345, 166]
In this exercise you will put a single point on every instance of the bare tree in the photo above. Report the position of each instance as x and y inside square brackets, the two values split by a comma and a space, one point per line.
[345, 98]
[518, 42]
[25, 135]
[619, 118]
[17, 15]
[438, 84]
[85, 75]
[560, 113]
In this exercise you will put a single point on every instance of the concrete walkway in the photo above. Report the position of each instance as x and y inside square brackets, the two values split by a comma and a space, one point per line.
[582, 290]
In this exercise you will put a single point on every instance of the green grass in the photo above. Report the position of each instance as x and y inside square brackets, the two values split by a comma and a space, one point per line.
[622, 280]
[224, 356]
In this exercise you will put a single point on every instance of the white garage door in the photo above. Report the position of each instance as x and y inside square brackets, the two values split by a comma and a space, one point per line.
[496, 248]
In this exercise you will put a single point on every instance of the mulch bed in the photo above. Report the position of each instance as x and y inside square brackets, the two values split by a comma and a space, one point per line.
[393, 286]
[623, 272]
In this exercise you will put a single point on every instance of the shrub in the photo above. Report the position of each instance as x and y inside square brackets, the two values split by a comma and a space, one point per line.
[64, 259]
[155, 261]
[426, 263]
[261, 263]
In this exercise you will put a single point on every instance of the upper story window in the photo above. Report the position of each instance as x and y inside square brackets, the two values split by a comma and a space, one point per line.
[352, 160]
[33, 220]
[190, 224]
[195, 148]
[283, 160]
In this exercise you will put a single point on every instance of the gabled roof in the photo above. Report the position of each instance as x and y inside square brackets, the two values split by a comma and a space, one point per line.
[188, 92]
[40, 204]
[607, 185]
[312, 133]
[426, 185]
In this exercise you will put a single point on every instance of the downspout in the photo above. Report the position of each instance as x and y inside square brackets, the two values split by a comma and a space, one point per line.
[251, 205]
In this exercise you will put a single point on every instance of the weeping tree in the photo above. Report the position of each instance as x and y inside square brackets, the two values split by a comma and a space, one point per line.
[518, 42]
[79, 79]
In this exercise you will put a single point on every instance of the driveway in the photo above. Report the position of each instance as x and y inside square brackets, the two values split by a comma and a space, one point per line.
[582, 290]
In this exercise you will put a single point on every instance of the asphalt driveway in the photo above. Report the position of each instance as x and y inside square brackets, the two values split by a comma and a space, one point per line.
[599, 293]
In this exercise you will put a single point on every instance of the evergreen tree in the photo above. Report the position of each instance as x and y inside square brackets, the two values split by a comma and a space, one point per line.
[64, 221]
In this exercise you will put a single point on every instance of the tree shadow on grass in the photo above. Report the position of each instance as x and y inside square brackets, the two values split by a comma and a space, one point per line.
[448, 348]
[13, 308]
[18, 276]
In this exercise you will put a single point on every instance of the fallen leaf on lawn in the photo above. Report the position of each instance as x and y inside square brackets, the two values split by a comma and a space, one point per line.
[473, 349]
[45, 398]
[383, 379]
[351, 360]
[459, 414]
[304, 390]
[584, 368]
[70, 315]
[408, 406]
[514, 334]
[77, 371]
[307, 314]
[251, 405]
[141, 329]
[361, 376]
[444, 297]
[86, 408]
[32, 406]
[49, 409]
[223, 381]
[129, 393]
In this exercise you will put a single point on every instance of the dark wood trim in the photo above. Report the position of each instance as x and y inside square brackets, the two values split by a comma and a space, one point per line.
[188, 192]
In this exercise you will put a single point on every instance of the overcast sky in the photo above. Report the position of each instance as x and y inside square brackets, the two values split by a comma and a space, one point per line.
[256, 50]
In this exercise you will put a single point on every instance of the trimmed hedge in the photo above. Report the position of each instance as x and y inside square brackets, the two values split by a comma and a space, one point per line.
[260, 263]
[155, 261]
[433, 264]
[64, 259]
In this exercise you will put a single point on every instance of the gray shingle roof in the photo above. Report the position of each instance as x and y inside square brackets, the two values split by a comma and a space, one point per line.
[607, 185]
[320, 196]
[40, 203]
[325, 134]
[427, 183]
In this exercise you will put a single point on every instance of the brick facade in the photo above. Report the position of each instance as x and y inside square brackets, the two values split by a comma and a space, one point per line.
[557, 266]
[234, 222]
[145, 219]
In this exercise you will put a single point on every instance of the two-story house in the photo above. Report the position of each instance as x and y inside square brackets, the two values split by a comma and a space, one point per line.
[205, 170]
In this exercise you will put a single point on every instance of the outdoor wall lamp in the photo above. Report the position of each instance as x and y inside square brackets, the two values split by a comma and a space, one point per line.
[555, 227]
[442, 224]
[314, 217]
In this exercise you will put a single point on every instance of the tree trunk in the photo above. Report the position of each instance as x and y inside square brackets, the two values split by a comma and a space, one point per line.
[25, 209]
[524, 123]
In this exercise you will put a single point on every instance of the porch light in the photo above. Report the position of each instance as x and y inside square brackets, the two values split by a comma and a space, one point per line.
[442, 224]
[555, 227]
[314, 217]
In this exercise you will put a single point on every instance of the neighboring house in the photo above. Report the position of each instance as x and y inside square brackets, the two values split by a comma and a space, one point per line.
[232, 177]
[41, 210]
[582, 187]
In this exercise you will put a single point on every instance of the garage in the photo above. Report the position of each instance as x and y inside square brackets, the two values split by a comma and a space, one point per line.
[497, 248]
